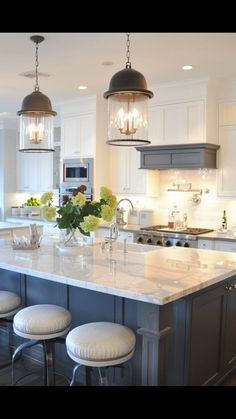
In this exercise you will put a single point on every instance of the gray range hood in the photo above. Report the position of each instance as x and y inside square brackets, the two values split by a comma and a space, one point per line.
[179, 156]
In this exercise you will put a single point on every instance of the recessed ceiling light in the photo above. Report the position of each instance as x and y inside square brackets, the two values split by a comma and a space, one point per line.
[187, 67]
[107, 63]
[82, 87]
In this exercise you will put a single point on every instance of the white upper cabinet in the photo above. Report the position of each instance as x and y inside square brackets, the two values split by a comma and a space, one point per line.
[226, 154]
[177, 123]
[78, 135]
[34, 172]
[183, 113]
[84, 134]
[226, 161]
[125, 175]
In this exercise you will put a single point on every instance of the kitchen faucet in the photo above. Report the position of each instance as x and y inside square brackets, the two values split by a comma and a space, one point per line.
[119, 215]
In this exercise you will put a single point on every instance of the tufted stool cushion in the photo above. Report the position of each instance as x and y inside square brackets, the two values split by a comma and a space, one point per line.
[9, 303]
[42, 321]
[100, 344]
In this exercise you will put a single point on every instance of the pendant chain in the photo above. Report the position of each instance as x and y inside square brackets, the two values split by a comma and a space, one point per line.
[128, 63]
[36, 87]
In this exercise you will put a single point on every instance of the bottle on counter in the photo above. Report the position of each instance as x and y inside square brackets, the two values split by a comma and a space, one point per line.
[171, 221]
[224, 220]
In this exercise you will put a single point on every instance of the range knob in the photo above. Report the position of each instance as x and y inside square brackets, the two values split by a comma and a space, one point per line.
[140, 239]
[186, 244]
[149, 241]
[168, 243]
[178, 243]
[159, 243]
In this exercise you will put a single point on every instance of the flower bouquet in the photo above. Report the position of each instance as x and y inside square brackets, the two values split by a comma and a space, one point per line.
[76, 213]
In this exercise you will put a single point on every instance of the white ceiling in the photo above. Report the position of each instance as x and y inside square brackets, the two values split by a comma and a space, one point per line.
[76, 58]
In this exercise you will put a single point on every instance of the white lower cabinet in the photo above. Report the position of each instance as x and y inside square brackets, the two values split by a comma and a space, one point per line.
[206, 244]
[225, 246]
[221, 245]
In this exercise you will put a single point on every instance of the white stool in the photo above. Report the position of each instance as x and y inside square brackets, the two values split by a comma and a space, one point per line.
[41, 323]
[10, 303]
[100, 344]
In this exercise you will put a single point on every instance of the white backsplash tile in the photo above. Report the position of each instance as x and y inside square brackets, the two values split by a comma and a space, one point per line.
[207, 214]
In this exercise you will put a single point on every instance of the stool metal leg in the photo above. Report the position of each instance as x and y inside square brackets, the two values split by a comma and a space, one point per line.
[88, 376]
[49, 367]
[103, 380]
[74, 374]
[18, 351]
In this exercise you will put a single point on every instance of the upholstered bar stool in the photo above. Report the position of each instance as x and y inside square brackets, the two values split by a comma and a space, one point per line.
[42, 323]
[10, 303]
[100, 345]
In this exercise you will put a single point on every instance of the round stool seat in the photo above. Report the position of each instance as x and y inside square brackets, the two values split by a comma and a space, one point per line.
[100, 344]
[9, 303]
[42, 322]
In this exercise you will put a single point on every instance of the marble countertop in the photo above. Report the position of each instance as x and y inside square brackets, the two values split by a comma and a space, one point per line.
[157, 276]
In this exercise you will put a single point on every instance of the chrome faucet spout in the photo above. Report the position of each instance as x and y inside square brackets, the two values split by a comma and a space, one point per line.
[119, 220]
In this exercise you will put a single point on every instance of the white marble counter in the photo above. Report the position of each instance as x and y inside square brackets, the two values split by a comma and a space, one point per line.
[159, 276]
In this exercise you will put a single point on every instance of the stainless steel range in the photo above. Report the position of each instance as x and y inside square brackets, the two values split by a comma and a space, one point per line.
[160, 235]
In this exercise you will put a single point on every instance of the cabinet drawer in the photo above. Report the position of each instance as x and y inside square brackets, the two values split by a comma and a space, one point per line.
[225, 246]
[206, 244]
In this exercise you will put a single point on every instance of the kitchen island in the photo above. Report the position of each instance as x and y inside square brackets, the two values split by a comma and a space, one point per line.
[179, 302]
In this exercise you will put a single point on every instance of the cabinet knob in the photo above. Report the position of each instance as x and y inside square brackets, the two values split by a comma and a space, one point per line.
[234, 285]
[229, 287]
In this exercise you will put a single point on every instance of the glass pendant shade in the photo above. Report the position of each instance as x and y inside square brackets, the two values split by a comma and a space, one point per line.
[128, 107]
[127, 115]
[36, 118]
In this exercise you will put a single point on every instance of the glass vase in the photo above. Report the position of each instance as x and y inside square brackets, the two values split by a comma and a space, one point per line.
[68, 238]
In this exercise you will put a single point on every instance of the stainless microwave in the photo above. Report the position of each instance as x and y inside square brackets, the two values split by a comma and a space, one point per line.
[78, 170]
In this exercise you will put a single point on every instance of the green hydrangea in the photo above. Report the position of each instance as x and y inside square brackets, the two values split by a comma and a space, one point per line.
[49, 213]
[107, 212]
[105, 193]
[78, 199]
[46, 197]
[90, 223]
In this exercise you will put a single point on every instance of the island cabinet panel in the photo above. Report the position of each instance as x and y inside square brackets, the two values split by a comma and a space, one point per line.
[211, 337]
[229, 337]
[205, 337]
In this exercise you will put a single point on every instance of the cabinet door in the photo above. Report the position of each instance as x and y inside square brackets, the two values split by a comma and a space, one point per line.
[34, 172]
[45, 168]
[70, 137]
[78, 136]
[196, 122]
[119, 170]
[177, 123]
[226, 161]
[156, 125]
[204, 361]
[27, 172]
[87, 135]
[229, 334]
[206, 244]
[136, 177]
[225, 246]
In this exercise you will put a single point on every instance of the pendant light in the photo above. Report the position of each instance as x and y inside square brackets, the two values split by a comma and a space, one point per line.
[36, 116]
[128, 106]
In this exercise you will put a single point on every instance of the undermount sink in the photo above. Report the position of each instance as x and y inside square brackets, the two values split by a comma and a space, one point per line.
[133, 247]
